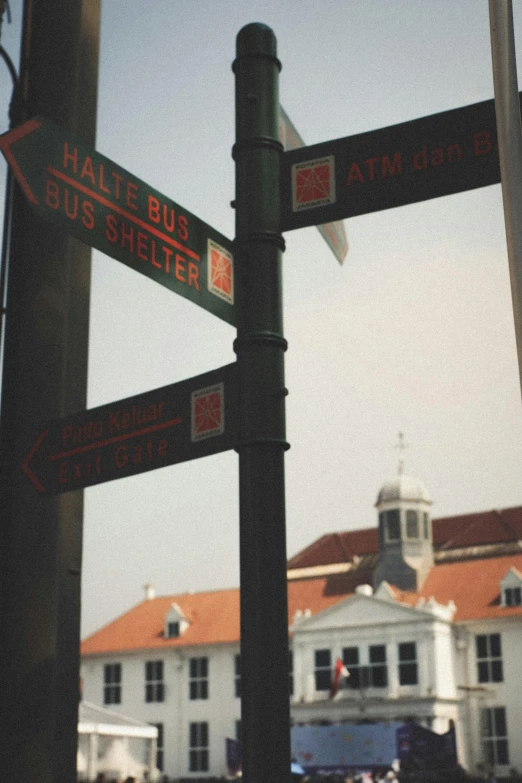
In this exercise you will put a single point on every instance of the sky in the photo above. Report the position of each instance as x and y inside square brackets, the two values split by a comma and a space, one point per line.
[413, 334]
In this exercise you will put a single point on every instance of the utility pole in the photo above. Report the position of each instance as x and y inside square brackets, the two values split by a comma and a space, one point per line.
[44, 378]
[260, 347]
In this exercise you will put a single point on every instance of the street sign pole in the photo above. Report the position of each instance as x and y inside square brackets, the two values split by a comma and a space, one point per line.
[44, 377]
[260, 347]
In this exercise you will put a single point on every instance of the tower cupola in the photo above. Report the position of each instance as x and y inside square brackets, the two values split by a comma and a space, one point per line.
[405, 533]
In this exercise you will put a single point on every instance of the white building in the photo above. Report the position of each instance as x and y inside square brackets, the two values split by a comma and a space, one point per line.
[426, 615]
[114, 744]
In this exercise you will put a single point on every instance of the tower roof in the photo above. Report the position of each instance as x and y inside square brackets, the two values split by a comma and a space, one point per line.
[403, 488]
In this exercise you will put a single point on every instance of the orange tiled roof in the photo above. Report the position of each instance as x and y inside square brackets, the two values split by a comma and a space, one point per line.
[214, 616]
[473, 585]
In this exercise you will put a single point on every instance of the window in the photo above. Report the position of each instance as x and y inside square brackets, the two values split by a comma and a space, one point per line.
[351, 661]
[173, 629]
[412, 524]
[198, 750]
[382, 523]
[489, 658]
[154, 686]
[375, 675]
[513, 596]
[237, 676]
[112, 683]
[426, 524]
[198, 683]
[175, 622]
[159, 746]
[494, 735]
[323, 670]
[408, 663]
[390, 525]
[393, 525]
[377, 670]
[290, 672]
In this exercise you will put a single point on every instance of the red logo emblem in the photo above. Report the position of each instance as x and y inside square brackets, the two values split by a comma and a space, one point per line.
[208, 412]
[220, 272]
[313, 183]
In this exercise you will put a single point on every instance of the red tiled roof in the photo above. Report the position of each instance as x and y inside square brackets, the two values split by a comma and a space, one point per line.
[486, 527]
[465, 530]
[473, 585]
[337, 548]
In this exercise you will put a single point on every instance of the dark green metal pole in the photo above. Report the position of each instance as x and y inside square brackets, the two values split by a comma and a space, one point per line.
[260, 347]
[44, 378]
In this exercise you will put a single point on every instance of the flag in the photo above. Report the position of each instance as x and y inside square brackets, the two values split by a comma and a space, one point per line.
[339, 671]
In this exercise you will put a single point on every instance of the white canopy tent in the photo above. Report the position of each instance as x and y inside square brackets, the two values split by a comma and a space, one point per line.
[114, 744]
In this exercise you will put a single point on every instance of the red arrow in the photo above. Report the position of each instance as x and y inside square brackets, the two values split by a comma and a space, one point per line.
[6, 142]
[87, 447]
[25, 464]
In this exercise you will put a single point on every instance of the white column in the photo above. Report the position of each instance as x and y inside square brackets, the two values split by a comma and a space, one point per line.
[392, 657]
[92, 759]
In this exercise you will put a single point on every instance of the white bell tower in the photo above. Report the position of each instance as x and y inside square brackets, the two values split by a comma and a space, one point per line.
[405, 532]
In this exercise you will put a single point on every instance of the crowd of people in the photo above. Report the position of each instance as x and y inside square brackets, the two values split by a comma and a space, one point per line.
[383, 775]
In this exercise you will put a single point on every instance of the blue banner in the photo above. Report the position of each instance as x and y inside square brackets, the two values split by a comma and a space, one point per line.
[332, 749]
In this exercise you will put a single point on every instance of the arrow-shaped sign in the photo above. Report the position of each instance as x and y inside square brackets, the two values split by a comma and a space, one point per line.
[180, 422]
[414, 161]
[100, 203]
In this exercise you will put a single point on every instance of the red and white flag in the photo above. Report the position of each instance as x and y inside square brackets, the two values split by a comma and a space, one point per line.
[339, 671]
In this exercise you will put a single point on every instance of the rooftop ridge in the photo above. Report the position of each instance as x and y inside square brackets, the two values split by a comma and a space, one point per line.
[500, 511]
[478, 551]
[320, 570]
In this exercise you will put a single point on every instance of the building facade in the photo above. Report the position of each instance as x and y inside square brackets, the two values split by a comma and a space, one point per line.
[426, 616]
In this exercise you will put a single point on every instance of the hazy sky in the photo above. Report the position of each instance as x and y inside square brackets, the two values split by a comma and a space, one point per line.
[414, 333]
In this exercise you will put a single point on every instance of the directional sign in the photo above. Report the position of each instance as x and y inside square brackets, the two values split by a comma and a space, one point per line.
[184, 421]
[432, 156]
[333, 233]
[107, 208]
